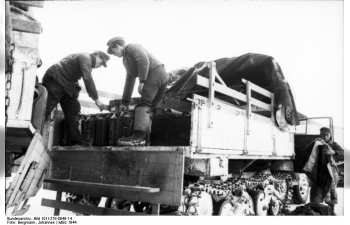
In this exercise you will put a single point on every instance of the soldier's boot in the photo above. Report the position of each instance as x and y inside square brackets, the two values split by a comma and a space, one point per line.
[142, 120]
[332, 210]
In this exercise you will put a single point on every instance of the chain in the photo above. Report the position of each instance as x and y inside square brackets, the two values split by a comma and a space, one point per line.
[9, 85]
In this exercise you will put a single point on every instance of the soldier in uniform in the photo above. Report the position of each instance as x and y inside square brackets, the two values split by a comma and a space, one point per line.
[61, 82]
[324, 172]
[153, 78]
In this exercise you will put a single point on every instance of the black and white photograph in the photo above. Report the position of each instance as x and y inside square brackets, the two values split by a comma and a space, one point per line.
[173, 108]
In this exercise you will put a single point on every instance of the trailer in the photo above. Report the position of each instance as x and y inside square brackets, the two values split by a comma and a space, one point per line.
[27, 129]
[218, 150]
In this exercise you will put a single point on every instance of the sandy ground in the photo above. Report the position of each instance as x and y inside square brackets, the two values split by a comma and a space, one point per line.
[37, 210]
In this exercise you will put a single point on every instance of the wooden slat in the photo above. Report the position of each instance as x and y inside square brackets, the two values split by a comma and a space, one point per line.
[204, 82]
[261, 104]
[212, 87]
[58, 198]
[123, 148]
[38, 4]
[95, 171]
[87, 209]
[103, 94]
[26, 26]
[258, 89]
[94, 185]
[115, 173]
[163, 197]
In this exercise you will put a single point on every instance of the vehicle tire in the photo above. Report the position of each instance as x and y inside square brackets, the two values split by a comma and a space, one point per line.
[225, 208]
[116, 203]
[274, 209]
[259, 205]
[205, 203]
[301, 191]
[142, 207]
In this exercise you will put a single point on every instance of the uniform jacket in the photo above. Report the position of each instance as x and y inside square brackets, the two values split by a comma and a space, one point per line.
[69, 70]
[318, 167]
[138, 62]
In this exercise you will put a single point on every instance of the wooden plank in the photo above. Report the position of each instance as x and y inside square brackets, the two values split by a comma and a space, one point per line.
[94, 185]
[249, 112]
[36, 153]
[27, 40]
[38, 4]
[152, 169]
[258, 89]
[58, 198]
[103, 94]
[87, 209]
[123, 148]
[211, 93]
[93, 170]
[232, 154]
[204, 82]
[261, 104]
[114, 156]
[163, 197]
[26, 26]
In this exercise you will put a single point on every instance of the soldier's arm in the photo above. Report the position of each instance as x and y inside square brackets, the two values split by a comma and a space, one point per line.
[85, 69]
[139, 54]
[339, 151]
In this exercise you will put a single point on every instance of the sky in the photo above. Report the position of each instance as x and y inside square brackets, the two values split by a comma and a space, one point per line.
[305, 38]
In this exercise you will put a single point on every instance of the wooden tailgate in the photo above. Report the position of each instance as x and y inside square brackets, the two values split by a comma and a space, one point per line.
[136, 175]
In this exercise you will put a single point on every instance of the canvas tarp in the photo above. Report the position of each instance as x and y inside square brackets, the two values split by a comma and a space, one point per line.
[261, 70]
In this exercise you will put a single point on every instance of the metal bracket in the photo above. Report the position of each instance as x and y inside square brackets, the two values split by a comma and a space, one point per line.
[274, 153]
[199, 103]
[246, 166]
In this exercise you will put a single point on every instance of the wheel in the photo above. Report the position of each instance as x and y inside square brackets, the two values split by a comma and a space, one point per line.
[274, 208]
[225, 208]
[142, 207]
[205, 203]
[301, 191]
[260, 206]
[116, 203]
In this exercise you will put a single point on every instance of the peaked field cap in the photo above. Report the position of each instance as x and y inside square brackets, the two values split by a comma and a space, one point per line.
[104, 57]
[325, 129]
[115, 40]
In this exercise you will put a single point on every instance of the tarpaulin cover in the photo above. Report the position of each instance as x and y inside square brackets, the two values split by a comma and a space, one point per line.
[261, 70]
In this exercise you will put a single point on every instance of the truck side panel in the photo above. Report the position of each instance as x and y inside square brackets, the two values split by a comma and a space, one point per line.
[229, 132]
[153, 169]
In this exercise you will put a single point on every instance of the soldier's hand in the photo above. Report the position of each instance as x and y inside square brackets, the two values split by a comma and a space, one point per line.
[122, 107]
[140, 88]
[99, 104]
[329, 151]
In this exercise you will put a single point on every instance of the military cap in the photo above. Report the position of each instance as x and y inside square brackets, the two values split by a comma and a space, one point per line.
[115, 40]
[103, 56]
[325, 129]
